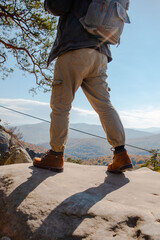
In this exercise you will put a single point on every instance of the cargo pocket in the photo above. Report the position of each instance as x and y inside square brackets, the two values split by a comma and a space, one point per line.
[56, 93]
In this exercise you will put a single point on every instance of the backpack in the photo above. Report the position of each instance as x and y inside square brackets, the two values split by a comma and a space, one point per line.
[106, 18]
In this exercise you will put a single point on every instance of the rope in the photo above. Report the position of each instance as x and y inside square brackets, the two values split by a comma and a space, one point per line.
[90, 134]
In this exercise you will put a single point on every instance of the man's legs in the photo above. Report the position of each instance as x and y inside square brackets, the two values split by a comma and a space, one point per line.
[86, 68]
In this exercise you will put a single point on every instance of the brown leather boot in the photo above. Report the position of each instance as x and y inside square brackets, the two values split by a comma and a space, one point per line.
[51, 160]
[121, 163]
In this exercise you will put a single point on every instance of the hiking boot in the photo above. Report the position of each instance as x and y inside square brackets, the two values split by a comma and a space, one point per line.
[51, 160]
[121, 162]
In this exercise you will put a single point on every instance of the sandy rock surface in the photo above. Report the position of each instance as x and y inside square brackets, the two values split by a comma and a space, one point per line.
[18, 155]
[83, 202]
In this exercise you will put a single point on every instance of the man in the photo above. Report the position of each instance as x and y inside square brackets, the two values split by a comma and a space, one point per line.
[81, 61]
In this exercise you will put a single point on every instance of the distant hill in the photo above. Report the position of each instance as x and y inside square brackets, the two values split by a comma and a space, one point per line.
[137, 160]
[39, 149]
[39, 133]
[154, 130]
[86, 147]
[150, 142]
[35, 133]
[94, 147]
[35, 148]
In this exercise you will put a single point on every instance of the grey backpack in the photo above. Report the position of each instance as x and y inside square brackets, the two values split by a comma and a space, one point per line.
[106, 19]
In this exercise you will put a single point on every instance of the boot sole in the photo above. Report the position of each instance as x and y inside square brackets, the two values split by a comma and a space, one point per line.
[122, 169]
[49, 168]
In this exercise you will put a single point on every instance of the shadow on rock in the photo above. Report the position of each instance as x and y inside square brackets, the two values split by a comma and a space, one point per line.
[64, 219]
[9, 214]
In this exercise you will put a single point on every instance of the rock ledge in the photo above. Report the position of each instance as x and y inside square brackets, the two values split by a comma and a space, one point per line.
[83, 202]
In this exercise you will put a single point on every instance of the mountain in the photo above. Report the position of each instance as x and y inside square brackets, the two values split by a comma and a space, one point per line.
[137, 160]
[98, 130]
[94, 147]
[39, 133]
[154, 130]
[151, 142]
[85, 147]
[34, 133]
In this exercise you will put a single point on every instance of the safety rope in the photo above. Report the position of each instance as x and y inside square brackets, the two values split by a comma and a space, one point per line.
[90, 134]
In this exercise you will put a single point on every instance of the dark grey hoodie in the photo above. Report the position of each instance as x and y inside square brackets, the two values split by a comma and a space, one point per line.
[70, 33]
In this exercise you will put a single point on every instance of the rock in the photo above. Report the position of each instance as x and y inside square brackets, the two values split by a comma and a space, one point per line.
[31, 153]
[34, 154]
[4, 141]
[4, 157]
[83, 202]
[19, 155]
[11, 151]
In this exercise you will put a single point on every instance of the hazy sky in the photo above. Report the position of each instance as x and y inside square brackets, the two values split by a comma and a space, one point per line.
[133, 76]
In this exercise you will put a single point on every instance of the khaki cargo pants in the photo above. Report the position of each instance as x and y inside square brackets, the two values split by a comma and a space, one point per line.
[86, 68]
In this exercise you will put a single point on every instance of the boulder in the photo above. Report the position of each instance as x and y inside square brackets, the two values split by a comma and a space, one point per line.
[83, 202]
[4, 141]
[11, 151]
[18, 155]
[34, 154]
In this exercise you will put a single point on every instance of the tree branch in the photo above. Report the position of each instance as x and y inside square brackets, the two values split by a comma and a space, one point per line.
[10, 46]
[4, 58]
[27, 33]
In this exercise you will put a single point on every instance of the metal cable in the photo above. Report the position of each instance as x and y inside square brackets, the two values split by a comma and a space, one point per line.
[90, 134]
